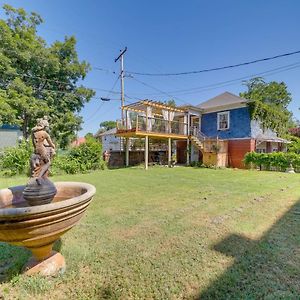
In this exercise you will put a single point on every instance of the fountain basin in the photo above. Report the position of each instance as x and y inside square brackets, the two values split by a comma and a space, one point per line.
[38, 227]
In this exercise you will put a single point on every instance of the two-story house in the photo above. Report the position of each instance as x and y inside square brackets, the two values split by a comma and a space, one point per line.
[217, 132]
[227, 117]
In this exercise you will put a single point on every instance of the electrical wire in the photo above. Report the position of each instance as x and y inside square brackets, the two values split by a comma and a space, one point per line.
[156, 89]
[39, 56]
[101, 104]
[234, 83]
[217, 68]
[238, 80]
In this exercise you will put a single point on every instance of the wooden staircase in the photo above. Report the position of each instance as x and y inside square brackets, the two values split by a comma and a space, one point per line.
[197, 142]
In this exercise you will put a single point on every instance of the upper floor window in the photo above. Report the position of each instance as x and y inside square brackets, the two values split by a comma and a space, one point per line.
[223, 120]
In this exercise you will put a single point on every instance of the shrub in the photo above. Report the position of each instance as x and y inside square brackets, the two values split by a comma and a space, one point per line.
[294, 146]
[276, 160]
[85, 157]
[196, 164]
[88, 155]
[64, 164]
[15, 160]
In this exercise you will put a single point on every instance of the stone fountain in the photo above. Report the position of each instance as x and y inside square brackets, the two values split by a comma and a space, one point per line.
[36, 215]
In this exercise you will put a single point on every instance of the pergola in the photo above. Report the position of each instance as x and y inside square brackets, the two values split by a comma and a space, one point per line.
[156, 120]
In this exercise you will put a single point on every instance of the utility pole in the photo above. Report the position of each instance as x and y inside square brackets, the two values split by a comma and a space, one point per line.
[121, 58]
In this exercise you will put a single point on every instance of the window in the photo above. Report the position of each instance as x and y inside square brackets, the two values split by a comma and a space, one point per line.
[260, 150]
[223, 120]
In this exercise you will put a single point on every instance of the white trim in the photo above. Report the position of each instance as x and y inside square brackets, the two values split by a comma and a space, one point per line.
[228, 120]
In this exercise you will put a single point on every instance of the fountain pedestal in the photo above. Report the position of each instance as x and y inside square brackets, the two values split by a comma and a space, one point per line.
[54, 265]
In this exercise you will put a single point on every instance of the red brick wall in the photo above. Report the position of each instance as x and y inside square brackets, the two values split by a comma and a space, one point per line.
[237, 150]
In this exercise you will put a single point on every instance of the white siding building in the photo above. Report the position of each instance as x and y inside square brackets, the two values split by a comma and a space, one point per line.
[110, 142]
[9, 136]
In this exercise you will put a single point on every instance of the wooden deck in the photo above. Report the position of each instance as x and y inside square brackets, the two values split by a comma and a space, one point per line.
[141, 134]
[153, 128]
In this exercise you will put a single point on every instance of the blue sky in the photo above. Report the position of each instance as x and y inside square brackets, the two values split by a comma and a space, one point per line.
[174, 36]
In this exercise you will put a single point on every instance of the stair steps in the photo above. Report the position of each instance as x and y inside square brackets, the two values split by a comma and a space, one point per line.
[197, 142]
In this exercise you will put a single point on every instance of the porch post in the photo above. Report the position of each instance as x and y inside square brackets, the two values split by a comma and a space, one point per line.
[169, 152]
[127, 151]
[188, 123]
[146, 151]
[188, 141]
[187, 151]
[147, 121]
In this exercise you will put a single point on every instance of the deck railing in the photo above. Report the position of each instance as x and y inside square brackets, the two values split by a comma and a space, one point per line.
[194, 131]
[153, 125]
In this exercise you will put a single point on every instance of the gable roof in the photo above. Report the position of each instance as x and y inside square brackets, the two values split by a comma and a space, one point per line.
[108, 132]
[223, 99]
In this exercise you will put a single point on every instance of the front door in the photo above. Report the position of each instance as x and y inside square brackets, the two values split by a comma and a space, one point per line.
[181, 152]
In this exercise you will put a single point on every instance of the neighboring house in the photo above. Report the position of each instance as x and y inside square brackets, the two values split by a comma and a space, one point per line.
[78, 141]
[110, 142]
[295, 131]
[9, 136]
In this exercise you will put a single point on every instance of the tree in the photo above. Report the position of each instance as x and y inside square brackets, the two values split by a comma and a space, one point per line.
[107, 125]
[37, 79]
[89, 135]
[269, 104]
[271, 93]
[170, 102]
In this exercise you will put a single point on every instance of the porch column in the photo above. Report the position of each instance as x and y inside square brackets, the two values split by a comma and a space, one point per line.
[200, 129]
[188, 123]
[185, 125]
[127, 152]
[169, 152]
[146, 151]
[187, 152]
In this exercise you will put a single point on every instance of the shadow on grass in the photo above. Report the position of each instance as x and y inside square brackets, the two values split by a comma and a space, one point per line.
[13, 258]
[268, 268]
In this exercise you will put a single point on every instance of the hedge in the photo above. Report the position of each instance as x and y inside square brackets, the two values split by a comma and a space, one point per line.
[277, 161]
[81, 159]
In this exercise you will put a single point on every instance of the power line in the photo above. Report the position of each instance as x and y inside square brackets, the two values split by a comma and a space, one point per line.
[233, 83]
[40, 56]
[101, 104]
[62, 82]
[217, 68]
[156, 89]
[264, 73]
[112, 89]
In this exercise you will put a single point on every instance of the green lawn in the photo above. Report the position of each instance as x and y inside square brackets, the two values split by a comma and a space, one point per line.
[180, 233]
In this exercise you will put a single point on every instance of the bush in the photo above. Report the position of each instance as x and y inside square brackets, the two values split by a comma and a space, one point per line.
[294, 146]
[85, 157]
[15, 160]
[196, 164]
[279, 161]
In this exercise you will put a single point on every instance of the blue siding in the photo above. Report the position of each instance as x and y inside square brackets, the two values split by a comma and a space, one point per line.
[239, 124]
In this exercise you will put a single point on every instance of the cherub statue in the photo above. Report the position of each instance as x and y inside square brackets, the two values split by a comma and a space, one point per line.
[44, 150]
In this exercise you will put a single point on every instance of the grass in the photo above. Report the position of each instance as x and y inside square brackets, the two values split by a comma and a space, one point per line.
[181, 233]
